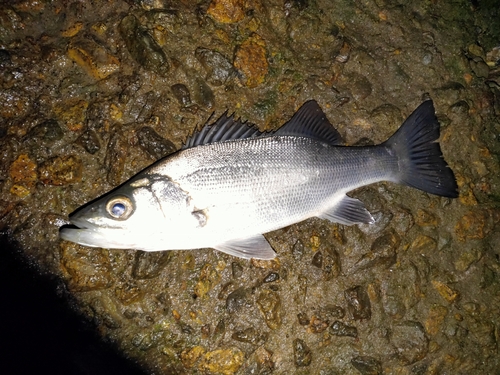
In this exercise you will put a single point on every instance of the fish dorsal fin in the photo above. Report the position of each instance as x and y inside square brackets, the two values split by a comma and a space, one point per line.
[310, 121]
[224, 129]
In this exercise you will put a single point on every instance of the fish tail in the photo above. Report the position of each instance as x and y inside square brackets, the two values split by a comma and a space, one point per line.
[420, 160]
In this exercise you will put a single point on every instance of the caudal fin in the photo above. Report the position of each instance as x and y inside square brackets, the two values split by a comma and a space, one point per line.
[421, 163]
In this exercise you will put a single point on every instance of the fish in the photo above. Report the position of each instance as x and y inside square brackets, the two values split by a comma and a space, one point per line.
[232, 183]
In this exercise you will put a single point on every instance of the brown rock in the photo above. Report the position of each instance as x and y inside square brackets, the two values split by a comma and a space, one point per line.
[269, 303]
[222, 361]
[93, 58]
[61, 170]
[474, 225]
[358, 303]
[251, 61]
[87, 269]
[301, 353]
[435, 319]
[209, 277]
[227, 11]
[24, 175]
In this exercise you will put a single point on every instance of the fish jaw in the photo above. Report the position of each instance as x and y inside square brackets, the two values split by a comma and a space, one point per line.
[84, 233]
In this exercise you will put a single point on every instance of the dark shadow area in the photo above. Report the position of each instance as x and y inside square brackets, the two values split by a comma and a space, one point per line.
[40, 333]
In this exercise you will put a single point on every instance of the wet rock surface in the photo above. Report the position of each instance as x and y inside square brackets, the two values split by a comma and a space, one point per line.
[93, 92]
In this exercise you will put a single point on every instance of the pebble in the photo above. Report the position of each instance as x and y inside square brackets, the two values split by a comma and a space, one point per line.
[237, 270]
[235, 300]
[226, 11]
[209, 277]
[303, 319]
[220, 329]
[493, 57]
[250, 60]
[23, 172]
[402, 221]
[86, 268]
[383, 252]
[331, 264]
[154, 144]
[222, 361]
[401, 290]
[467, 258]
[479, 67]
[46, 132]
[202, 93]
[367, 365]
[273, 264]
[148, 265]
[271, 277]
[423, 244]
[426, 219]
[473, 225]
[191, 356]
[317, 324]
[409, 341]
[386, 117]
[435, 319]
[89, 141]
[449, 294]
[358, 303]
[265, 364]
[317, 260]
[219, 69]
[182, 94]
[128, 293]
[72, 112]
[302, 355]
[269, 304]
[341, 329]
[61, 170]
[298, 250]
[249, 335]
[360, 87]
[116, 155]
[93, 58]
[143, 48]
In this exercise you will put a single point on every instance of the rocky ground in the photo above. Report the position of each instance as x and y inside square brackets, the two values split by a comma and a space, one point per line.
[93, 91]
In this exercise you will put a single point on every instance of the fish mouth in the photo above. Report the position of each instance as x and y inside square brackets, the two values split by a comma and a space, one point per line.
[86, 233]
[80, 231]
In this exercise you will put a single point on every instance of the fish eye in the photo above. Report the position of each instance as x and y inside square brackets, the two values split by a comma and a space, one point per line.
[120, 207]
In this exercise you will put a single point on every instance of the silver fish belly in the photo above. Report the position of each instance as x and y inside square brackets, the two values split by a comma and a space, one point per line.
[232, 184]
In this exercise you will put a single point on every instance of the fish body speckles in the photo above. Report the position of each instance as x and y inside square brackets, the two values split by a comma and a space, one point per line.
[232, 183]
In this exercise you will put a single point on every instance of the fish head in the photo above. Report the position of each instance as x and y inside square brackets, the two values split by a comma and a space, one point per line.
[148, 213]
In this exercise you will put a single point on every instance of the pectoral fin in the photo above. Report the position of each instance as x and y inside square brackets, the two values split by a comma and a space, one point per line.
[253, 247]
[348, 211]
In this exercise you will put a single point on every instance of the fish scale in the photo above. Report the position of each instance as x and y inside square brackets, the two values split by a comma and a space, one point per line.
[291, 178]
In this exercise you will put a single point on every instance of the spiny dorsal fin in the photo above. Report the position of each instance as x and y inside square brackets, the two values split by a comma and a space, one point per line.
[224, 129]
[310, 121]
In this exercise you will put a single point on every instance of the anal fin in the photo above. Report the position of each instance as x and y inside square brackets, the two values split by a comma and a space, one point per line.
[348, 211]
[253, 247]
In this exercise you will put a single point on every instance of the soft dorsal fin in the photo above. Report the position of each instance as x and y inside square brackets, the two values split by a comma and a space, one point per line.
[310, 121]
[224, 129]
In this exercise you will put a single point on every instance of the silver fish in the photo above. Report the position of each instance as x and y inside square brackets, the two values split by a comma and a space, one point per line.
[232, 183]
